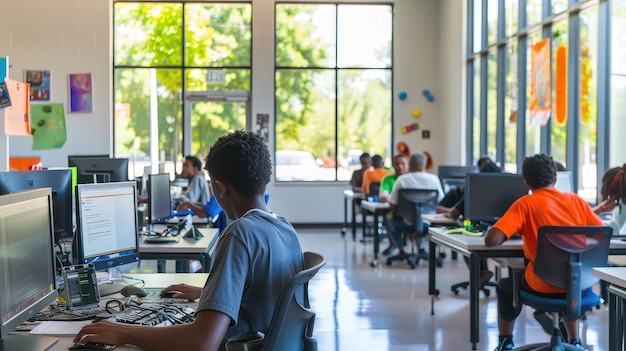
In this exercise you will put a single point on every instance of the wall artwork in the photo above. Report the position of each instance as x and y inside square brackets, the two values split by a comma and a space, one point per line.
[81, 99]
[39, 81]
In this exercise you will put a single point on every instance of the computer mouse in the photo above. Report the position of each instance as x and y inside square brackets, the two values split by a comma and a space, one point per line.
[133, 290]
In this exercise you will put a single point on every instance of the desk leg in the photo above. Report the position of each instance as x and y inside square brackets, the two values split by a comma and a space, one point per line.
[345, 217]
[432, 289]
[474, 268]
[616, 318]
[353, 219]
[376, 240]
[182, 266]
[206, 263]
[364, 223]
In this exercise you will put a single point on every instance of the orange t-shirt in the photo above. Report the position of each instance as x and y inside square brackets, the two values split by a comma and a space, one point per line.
[545, 206]
[374, 175]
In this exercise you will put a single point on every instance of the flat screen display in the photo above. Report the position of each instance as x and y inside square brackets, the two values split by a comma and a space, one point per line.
[489, 195]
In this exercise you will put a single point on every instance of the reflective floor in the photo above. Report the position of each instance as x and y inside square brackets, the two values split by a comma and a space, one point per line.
[387, 308]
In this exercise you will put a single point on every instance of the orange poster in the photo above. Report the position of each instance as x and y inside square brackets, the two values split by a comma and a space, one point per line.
[560, 85]
[16, 116]
[540, 95]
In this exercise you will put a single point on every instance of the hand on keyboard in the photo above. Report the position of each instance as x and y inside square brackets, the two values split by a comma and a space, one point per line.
[91, 346]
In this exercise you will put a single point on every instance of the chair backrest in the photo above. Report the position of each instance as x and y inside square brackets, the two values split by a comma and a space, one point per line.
[565, 258]
[374, 189]
[414, 202]
[293, 320]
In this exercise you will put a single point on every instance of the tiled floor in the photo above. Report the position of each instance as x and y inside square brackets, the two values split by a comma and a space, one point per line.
[388, 308]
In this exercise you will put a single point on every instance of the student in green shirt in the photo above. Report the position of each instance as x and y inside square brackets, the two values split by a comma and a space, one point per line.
[401, 166]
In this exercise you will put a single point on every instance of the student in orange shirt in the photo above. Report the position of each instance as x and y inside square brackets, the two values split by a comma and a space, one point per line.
[545, 206]
[374, 175]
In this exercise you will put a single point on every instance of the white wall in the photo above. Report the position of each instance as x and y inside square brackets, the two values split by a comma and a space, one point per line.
[73, 36]
[66, 36]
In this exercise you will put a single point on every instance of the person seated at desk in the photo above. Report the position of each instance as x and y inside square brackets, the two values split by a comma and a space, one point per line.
[545, 206]
[356, 181]
[416, 178]
[375, 174]
[453, 206]
[401, 166]
[257, 253]
[197, 191]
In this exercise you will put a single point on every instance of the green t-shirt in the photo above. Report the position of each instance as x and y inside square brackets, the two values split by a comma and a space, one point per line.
[387, 183]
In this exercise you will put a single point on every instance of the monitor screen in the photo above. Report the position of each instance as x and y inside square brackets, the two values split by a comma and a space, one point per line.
[61, 183]
[99, 165]
[106, 216]
[445, 172]
[489, 195]
[564, 181]
[27, 260]
[159, 201]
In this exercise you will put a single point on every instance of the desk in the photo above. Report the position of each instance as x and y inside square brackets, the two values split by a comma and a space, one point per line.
[616, 277]
[352, 197]
[184, 249]
[376, 209]
[160, 280]
[474, 247]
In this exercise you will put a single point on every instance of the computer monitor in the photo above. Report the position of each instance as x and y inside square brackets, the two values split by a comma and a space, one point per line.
[27, 264]
[90, 165]
[564, 181]
[445, 172]
[159, 199]
[106, 231]
[489, 195]
[61, 183]
[454, 176]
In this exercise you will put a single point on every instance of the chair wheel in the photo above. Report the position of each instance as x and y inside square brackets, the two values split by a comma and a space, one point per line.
[442, 255]
[439, 262]
[486, 291]
[374, 263]
[344, 231]
[388, 262]
[455, 291]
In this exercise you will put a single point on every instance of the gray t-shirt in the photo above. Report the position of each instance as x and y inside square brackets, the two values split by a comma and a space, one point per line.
[255, 256]
[197, 190]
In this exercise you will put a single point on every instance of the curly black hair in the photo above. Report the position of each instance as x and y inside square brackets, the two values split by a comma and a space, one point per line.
[242, 159]
[539, 171]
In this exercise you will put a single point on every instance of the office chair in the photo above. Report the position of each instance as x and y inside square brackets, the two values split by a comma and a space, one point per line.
[465, 285]
[292, 324]
[565, 258]
[411, 204]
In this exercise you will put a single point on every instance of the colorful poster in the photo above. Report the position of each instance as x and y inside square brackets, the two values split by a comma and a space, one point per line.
[49, 130]
[540, 94]
[80, 93]
[560, 85]
[4, 68]
[39, 81]
[16, 116]
[5, 100]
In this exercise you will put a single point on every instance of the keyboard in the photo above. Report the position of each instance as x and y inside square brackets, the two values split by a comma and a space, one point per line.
[154, 296]
[156, 315]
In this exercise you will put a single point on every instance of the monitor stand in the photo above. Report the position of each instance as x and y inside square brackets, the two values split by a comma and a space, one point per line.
[108, 286]
[13, 342]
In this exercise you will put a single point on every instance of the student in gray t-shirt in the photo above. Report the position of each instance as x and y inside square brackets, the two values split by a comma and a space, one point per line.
[255, 256]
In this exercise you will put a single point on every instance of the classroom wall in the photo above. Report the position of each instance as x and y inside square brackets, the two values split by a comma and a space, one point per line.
[74, 36]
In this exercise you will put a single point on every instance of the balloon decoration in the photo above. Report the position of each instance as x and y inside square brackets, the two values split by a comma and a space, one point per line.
[429, 160]
[403, 148]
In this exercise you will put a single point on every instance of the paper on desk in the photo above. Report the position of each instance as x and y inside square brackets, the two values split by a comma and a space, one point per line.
[59, 327]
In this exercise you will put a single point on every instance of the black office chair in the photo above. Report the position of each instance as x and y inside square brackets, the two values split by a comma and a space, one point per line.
[411, 204]
[293, 320]
[565, 258]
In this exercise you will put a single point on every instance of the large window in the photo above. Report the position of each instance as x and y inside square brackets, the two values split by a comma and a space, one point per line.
[333, 88]
[182, 78]
[555, 96]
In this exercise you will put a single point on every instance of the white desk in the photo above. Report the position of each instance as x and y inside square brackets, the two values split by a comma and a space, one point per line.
[352, 197]
[616, 277]
[158, 280]
[184, 249]
[474, 247]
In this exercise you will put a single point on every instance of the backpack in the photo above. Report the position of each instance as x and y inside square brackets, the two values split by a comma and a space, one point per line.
[614, 183]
